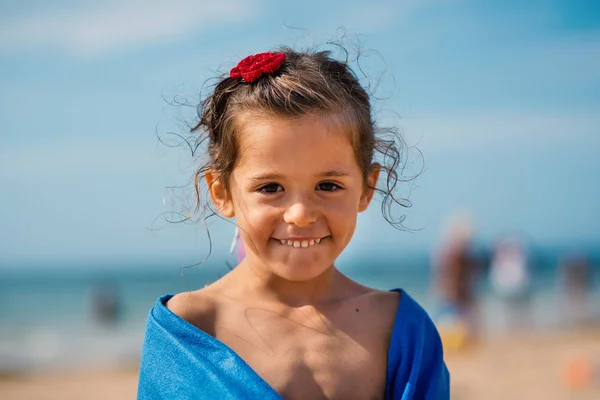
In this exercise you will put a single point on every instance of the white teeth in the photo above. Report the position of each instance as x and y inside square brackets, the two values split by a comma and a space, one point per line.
[300, 243]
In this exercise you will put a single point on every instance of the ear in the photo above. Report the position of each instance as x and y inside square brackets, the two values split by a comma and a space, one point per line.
[219, 194]
[369, 189]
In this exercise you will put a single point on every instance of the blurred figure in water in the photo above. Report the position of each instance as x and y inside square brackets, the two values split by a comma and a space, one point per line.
[510, 278]
[105, 302]
[455, 270]
[576, 276]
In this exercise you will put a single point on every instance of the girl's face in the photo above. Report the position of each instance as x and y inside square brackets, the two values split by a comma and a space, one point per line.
[296, 191]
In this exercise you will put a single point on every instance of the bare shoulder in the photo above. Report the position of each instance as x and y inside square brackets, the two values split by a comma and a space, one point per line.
[384, 304]
[374, 308]
[199, 308]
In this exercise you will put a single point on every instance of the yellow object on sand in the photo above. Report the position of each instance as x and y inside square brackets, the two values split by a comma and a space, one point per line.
[454, 335]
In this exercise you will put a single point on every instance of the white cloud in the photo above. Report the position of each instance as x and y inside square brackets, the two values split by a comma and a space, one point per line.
[439, 132]
[112, 25]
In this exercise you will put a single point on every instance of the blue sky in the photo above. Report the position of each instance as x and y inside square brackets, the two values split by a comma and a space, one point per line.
[503, 99]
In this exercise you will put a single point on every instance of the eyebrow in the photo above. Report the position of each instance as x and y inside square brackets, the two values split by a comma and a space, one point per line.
[326, 174]
[334, 172]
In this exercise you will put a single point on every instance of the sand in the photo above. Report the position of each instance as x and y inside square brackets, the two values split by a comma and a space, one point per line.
[529, 366]
[90, 384]
[549, 365]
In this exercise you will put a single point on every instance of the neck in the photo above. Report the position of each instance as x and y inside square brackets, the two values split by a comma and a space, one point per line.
[322, 289]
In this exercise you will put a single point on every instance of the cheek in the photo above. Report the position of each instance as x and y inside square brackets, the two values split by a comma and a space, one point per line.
[257, 225]
[343, 213]
[255, 217]
[347, 204]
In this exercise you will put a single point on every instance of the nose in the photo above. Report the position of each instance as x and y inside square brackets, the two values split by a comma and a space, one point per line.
[301, 212]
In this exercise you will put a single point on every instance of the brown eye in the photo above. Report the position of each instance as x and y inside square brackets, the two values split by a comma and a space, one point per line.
[328, 186]
[271, 188]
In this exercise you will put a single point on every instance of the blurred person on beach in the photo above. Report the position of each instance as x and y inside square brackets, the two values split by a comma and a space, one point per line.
[237, 246]
[291, 156]
[455, 269]
[510, 279]
[576, 284]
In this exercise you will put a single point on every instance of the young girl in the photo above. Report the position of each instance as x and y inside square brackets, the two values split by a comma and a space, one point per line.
[291, 150]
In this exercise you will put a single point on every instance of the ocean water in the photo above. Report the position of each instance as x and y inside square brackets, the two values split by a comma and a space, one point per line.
[50, 318]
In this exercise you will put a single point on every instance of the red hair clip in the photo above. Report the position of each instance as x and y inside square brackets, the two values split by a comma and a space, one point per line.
[253, 67]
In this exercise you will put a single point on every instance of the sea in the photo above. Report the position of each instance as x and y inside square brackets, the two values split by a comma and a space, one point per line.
[56, 316]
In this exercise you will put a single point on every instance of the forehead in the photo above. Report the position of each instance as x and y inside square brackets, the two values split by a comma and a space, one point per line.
[309, 141]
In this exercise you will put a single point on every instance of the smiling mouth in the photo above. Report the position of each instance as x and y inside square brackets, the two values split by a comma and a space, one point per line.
[300, 243]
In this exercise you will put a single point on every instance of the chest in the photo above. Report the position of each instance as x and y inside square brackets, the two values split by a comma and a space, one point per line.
[312, 356]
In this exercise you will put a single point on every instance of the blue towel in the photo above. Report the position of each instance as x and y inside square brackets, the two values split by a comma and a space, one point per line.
[179, 361]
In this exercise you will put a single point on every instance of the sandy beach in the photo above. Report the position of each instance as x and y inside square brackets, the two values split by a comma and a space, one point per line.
[548, 365]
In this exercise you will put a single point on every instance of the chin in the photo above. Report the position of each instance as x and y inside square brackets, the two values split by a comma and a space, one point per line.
[300, 273]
